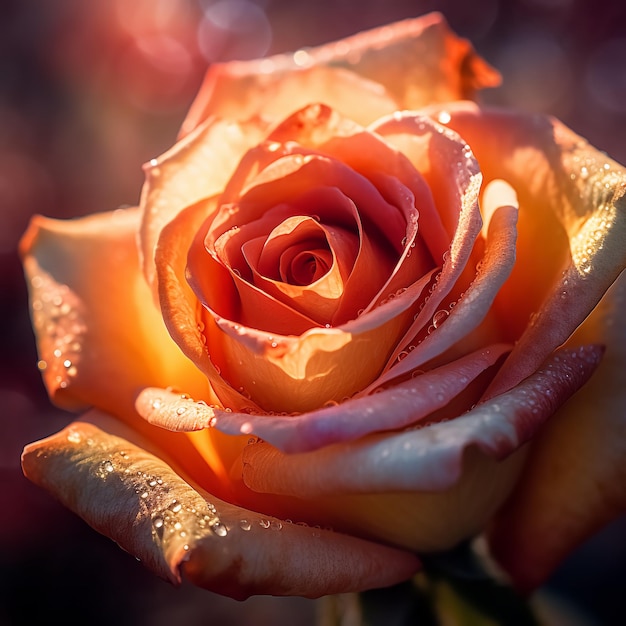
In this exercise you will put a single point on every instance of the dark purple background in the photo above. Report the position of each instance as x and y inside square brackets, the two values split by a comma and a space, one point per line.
[89, 90]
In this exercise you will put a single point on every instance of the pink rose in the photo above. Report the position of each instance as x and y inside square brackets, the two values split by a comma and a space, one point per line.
[319, 316]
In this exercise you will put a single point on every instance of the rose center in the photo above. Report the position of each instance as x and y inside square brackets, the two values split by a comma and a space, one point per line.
[304, 267]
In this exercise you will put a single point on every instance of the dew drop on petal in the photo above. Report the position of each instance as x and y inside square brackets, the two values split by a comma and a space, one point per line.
[219, 529]
[74, 437]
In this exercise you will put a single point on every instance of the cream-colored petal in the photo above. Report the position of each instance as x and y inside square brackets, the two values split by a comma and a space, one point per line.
[406, 65]
[195, 168]
[136, 499]
[575, 481]
[461, 460]
[100, 336]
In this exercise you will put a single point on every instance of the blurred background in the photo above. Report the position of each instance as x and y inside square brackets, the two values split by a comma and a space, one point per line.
[91, 90]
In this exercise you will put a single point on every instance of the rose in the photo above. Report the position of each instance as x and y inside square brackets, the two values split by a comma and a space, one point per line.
[334, 218]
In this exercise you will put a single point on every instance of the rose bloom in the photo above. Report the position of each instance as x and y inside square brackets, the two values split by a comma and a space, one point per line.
[331, 335]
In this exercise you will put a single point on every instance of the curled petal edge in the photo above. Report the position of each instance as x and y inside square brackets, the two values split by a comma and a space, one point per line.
[430, 458]
[412, 400]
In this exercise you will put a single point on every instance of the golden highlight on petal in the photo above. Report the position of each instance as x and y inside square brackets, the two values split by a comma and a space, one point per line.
[406, 65]
[98, 331]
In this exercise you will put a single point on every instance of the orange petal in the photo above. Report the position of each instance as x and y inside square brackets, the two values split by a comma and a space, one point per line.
[572, 226]
[100, 337]
[575, 481]
[406, 65]
[179, 305]
[136, 499]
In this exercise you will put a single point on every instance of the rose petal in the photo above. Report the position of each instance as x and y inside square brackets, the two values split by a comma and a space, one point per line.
[430, 458]
[425, 489]
[575, 481]
[472, 308]
[295, 360]
[179, 305]
[411, 401]
[193, 169]
[84, 278]
[406, 65]
[571, 219]
[137, 500]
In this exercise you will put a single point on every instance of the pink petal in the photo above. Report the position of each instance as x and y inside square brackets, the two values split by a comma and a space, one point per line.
[430, 458]
[136, 499]
[475, 304]
[412, 400]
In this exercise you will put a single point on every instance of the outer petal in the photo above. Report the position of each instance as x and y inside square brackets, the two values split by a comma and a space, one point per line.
[100, 337]
[194, 169]
[406, 65]
[572, 226]
[135, 498]
[575, 480]
[429, 459]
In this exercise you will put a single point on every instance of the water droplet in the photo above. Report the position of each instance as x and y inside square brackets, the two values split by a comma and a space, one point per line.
[264, 523]
[440, 317]
[276, 525]
[175, 507]
[245, 524]
[181, 410]
[444, 117]
[74, 437]
[107, 466]
[219, 529]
